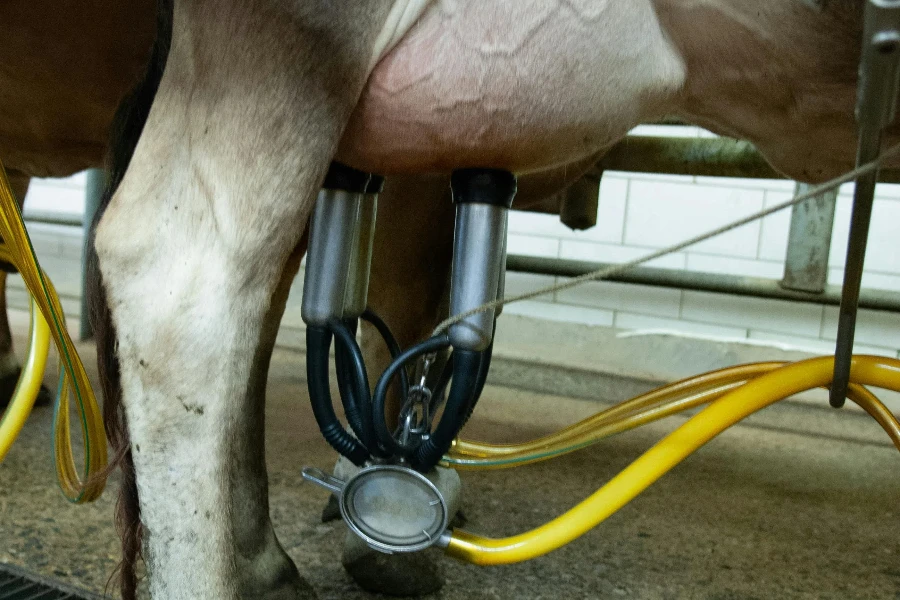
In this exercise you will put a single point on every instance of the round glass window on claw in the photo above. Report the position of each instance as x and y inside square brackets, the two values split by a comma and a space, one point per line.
[394, 509]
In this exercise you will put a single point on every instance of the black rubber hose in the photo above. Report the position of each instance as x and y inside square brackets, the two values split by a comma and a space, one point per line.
[318, 343]
[391, 342]
[379, 399]
[345, 378]
[466, 370]
[353, 383]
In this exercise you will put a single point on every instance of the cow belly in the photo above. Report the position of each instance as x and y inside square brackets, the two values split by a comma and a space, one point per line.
[514, 84]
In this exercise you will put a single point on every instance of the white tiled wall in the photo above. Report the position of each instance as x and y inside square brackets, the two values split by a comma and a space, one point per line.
[639, 213]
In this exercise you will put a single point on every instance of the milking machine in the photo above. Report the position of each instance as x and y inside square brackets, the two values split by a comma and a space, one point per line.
[395, 455]
[391, 503]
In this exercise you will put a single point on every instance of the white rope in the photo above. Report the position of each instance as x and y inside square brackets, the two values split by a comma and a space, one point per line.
[616, 269]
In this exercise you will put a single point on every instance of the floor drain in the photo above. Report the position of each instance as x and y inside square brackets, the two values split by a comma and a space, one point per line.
[17, 584]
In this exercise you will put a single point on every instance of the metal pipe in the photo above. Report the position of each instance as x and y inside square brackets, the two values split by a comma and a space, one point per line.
[710, 157]
[96, 183]
[809, 242]
[863, 201]
[757, 287]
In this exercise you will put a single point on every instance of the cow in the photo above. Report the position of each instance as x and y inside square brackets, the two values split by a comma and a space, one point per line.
[59, 97]
[252, 101]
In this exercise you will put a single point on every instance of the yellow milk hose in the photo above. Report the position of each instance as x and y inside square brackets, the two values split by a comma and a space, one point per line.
[29, 385]
[705, 385]
[641, 410]
[82, 487]
[723, 413]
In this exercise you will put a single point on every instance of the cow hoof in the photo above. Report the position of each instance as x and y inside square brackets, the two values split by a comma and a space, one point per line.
[296, 590]
[407, 575]
[332, 510]
[8, 387]
[271, 575]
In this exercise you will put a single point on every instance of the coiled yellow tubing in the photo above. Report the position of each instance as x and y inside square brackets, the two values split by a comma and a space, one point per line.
[47, 320]
[730, 402]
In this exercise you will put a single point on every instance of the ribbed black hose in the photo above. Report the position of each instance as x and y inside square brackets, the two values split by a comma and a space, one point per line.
[346, 373]
[318, 343]
[353, 383]
[466, 371]
[393, 347]
[379, 398]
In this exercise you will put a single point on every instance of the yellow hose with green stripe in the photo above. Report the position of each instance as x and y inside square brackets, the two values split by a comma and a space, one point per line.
[730, 408]
[77, 483]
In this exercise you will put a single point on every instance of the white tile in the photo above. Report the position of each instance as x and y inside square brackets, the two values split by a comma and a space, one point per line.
[52, 198]
[887, 190]
[677, 131]
[814, 345]
[875, 281]
[873, 327]
[521, 283]
[532, 245]
[708, 263]
[559, 312]
[836, 276]
[773, 238]
[881, 281]
[58, 240]
[616, 254]
[71, 246]
[631, 321]
[756, 313]
[663, 214]
[643, 299]
[883, 251]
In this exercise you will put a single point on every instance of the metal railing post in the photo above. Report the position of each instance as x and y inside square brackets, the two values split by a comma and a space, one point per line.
[96, 181]
[809, 242]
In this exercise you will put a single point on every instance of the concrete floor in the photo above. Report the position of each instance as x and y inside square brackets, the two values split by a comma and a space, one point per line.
[803, 504]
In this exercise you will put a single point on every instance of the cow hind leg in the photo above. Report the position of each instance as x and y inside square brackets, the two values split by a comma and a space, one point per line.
[193, 247]
[264, 570]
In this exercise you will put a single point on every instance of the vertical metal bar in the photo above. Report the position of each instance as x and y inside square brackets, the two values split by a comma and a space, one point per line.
[863, 199]
[809, 242]
[96, 182]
